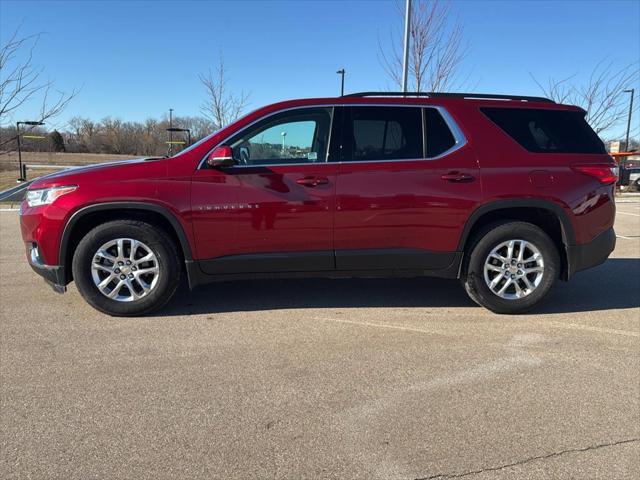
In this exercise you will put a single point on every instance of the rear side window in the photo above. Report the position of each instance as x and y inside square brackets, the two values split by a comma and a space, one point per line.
[439, 137]
[547, 131]
[386, 133]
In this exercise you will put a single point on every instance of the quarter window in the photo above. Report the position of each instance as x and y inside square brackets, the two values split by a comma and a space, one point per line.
[439, 137]
[547, 131]
[296, 136]
[386, 133]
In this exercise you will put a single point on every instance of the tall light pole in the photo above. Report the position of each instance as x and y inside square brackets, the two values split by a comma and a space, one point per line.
[170, 149]
[23, 174]
[407, 29]
[284, 134]
[626, 143]
[341, 72]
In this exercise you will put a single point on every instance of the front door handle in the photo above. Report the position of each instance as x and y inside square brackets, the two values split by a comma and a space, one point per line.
[458, 177]
[312, 181]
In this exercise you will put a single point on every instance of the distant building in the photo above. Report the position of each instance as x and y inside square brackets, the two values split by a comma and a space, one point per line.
[613, 146]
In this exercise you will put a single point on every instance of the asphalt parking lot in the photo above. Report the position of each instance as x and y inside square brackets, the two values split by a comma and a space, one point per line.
[344, 379]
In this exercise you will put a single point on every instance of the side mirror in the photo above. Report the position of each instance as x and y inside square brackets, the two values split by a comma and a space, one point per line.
[221, 156]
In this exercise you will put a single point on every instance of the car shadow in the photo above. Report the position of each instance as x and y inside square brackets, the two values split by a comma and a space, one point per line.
[612, 285]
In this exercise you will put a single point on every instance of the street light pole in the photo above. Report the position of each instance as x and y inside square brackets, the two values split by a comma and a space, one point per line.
[626, 143]
[20, 174]
[341, 72]
[407, 28]
[170, 151]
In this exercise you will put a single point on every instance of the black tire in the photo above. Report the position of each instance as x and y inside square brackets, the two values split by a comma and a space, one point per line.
[160, 244]
[484, 242]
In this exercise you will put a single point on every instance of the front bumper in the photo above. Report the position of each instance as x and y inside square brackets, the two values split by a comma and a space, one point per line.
[52, 274]
[591, 254]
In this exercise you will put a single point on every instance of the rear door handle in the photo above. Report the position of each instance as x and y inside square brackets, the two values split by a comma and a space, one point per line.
[458, 177]
[312, 181]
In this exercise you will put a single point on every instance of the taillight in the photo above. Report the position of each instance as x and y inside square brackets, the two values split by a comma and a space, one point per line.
[605, 173]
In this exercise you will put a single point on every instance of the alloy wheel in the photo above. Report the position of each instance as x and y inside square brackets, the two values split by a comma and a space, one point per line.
[514, 269]
[125, 269]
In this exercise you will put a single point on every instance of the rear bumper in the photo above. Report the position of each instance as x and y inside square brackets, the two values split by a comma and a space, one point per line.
[52, 274]
[591, 254]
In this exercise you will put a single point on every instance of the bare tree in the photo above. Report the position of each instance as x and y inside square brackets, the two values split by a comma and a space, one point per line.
[21, 82]
[436, 48]
[112, 135]
[221, 106]
[601, 95]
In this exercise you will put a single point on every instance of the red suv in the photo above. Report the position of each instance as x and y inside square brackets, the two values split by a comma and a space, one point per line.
[505, 193]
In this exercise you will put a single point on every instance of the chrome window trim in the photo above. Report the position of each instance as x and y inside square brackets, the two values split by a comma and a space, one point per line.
[458, 136]
[333, 114]
[459, 139]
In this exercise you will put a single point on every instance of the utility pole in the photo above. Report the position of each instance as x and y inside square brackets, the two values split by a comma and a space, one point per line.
[407, 29]
[341, 72]
[626, 143]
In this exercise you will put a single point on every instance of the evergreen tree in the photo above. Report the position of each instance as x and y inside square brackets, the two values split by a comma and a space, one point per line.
[57, 142]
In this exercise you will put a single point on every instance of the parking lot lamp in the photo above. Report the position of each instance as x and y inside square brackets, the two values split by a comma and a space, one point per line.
[341, 72]
[177, 129]
[170, 150]
[22, 174]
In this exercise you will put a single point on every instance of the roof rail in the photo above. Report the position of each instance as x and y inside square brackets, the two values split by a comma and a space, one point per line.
[389, 94]
[487, 96]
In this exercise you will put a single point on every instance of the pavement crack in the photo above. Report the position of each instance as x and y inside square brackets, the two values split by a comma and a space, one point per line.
[530, 459]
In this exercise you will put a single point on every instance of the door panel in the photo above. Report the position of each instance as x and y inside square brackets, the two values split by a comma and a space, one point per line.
[417, 204]
[285, 199]
[215, 206]
[404, 204]
[289, 208]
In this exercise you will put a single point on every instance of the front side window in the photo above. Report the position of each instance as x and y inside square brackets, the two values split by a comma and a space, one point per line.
[295, 136]
[385, 133]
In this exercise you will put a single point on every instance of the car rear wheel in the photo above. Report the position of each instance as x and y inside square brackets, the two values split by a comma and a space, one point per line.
[510, 267]
[126, 268]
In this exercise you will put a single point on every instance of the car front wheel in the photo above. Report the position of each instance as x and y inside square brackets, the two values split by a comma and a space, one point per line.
[510, 267]
[126, 268]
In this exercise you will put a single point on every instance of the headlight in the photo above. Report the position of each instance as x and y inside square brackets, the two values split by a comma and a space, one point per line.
[46, 196]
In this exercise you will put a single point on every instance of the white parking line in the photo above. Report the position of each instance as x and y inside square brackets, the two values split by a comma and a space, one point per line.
[627, 213]
[577, 326]
[626, 238]
[385, 325]
[568, 326]
[9, 209]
